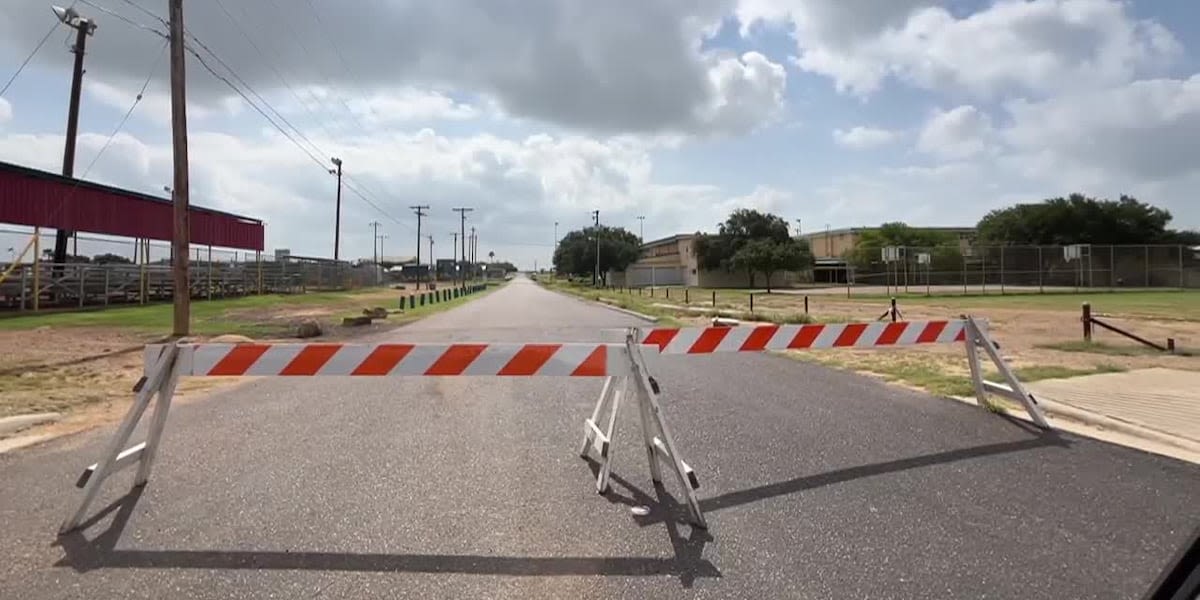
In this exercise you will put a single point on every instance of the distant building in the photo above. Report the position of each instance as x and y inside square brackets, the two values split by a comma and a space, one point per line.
[673, 261]
[829, 249]
[834, 243]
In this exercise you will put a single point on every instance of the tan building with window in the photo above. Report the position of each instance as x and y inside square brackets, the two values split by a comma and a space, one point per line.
[829, 249]
[672, 261]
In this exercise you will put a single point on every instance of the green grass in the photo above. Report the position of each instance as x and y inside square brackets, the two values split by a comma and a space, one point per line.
[1168, 304]
[1040, 372]
[233, 315]
[699, 301]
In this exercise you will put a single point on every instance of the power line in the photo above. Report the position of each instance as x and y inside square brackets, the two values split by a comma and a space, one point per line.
[124, 18]
[30, 57]
[137, 100]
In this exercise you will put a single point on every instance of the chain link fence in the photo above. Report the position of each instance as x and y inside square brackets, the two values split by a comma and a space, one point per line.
[1022, 269]
[103, 271]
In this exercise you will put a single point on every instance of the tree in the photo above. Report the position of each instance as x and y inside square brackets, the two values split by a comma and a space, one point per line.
[942, 246]
[576, 252]
[491, 256]
[111, 259]
[770, 256]
[1078, 219]
[754, 242]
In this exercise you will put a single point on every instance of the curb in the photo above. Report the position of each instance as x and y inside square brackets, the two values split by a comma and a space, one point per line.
[10, 425]
[1098, 420]
[608, 306]
[16, 443]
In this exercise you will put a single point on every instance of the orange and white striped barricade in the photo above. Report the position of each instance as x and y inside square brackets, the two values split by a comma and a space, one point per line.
[165, 364]
[707, 340]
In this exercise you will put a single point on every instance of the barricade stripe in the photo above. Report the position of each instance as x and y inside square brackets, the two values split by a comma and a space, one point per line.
[239, 359]
[310, 359]
[660, 338]
[758, 338]
[931, 331]
[456, 359]
[529, 359]
[805, 336]
[382, 359]
[595, 365]
[951, 332]
[709, 340]
[961, 336]
[849, 335]
[870, 335]
[891, 334]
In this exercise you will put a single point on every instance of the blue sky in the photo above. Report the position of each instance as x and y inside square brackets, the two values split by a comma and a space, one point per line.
[833, 112]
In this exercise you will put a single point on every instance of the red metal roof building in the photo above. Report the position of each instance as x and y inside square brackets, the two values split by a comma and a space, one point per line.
[40, 199]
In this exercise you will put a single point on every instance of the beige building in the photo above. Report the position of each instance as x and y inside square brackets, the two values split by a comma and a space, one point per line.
[834, 243]
[672, 261]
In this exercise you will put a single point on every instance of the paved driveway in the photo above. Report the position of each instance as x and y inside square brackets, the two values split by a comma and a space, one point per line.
[817, 484]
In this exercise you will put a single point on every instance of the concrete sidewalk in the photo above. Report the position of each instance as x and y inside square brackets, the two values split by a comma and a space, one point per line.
[1162, 400]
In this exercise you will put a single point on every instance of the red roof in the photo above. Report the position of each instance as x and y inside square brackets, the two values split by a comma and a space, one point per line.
[40, 199]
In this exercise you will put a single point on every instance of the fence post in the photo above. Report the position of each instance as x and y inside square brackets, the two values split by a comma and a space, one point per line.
[714, 300]
[1041, 264]
[24, 283]
[893, 309]
[82, 272]
[106, 287]
[1181, 281]
[806, 304]
[1112, 266]
[668, 293]
[258, 261]
[1147, 277]
[751, 301]
[1001, 270]
[1087, 322]
[687, 297]
[209, 283]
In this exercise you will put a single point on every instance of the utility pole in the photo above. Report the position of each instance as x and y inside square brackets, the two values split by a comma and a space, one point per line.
[641, 229]
[420, 210]
[83, 28]
[472, 254]
[596, 274]
[374, 225]
[462, 211]
[182, 237]
[337, 219]
[432, 262]
[453, 250]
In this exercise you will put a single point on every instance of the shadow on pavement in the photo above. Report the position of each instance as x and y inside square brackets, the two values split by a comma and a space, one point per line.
[100, 552]
[1044, 439]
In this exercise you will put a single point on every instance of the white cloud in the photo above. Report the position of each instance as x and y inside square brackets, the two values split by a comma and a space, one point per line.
[5, 111]
[1039, 47]
[958, 133]
[619, 66]
[864, 138]
[1145, 130]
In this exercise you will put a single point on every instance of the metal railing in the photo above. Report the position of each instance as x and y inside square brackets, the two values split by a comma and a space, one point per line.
[89, 284]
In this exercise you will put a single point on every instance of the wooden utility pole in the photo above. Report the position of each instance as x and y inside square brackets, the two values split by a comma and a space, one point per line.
[83, 28]
[462, 211]
[181, 239]
[420, 210]
[337, 218]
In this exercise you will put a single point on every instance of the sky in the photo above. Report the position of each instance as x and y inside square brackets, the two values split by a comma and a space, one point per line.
[830, 113]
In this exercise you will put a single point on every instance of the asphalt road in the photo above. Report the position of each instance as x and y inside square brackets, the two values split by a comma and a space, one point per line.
[816, 483]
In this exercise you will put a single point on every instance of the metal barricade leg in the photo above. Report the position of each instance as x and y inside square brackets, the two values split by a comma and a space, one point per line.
[600, 440]
[1014, 390]
[161, 382]
[663, 447]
